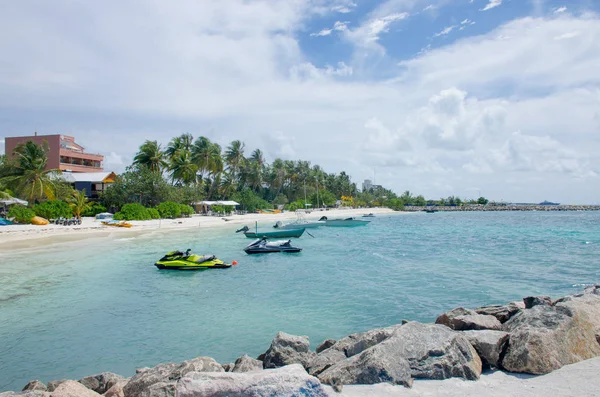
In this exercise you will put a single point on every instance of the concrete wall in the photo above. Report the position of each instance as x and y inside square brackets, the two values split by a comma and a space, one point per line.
[53, 144]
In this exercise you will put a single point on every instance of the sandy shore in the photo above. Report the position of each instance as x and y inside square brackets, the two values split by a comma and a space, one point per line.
[16, 237]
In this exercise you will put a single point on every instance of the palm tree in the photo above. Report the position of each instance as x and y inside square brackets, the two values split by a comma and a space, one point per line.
[27, 174]
[234, 157]
[258, 157]
[182, 143]
[183, 170]
[151, 155]
[79, 203]
[207, 156]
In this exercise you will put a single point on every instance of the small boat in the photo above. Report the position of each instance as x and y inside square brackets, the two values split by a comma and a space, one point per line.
[117, 223]
[263, 246]
[285, 233]
[104, 215]
[430, 210]
[348, 222]
[298, 225]
[177, 260]
[369, 215]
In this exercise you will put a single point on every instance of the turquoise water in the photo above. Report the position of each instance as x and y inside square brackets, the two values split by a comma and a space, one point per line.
[81, 308]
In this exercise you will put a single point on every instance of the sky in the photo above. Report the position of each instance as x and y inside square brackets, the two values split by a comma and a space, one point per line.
[499, 98]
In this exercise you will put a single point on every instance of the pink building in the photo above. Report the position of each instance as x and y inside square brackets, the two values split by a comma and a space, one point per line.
[63, 153]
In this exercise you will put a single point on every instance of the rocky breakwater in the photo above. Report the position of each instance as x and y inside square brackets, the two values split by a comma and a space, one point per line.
[508, 207]
[535, 336]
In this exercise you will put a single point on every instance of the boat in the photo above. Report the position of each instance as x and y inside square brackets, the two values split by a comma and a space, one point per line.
[117, 223]
[284, 233]
[369, 215]
[348, 222]
[299, 223]
[177, 260]
[263, 246]
[5, 222]
[430, 210]
[104, 215]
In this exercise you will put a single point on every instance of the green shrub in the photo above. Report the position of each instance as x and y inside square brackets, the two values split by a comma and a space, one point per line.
[186, 210]
[153, 212]
[169, 209]
[216, 208]
[21, 214]
[228, 209]
[94, 210]
[132, 212]
[53, 209]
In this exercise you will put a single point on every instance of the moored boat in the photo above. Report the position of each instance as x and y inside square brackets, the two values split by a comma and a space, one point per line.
[298, 224]
[177, 260]
[347, 222]
[263, 246]
[369, 215]
[284, 233]
[117, 223]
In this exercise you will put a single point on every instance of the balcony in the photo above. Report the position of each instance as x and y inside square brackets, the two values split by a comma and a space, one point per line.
[80, 165]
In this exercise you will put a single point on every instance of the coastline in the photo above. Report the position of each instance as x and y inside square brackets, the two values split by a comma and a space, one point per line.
[21, 237]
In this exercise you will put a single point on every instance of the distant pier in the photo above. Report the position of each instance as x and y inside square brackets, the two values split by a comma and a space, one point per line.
[505, 207]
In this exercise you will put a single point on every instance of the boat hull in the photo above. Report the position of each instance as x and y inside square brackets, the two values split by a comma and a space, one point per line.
[253, 251]
[345, 223]
[286, 233]
[307, 225]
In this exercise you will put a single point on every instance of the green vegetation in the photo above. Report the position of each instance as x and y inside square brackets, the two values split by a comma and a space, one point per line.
[132, 212]
[153, 212]
[53, 209]
[94, 209]
[21, 214]
[79, 203]
[169, 209]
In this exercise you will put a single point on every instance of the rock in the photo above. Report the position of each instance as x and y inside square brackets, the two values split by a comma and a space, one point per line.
[545, 338]
[35, 385]
[288, 349]
[228, 367]
[377, 364]
[435, 351]
[489, 345]
[102, 382]
[247, 364]
[324, 360]
[587, 304]
[164, 376]
[532, 301]
[461, 319]
[325, 345]
[71, 388]
[142, 370]
[592, 290]
[502, 312]
[53, 384]
[357, 343]
[117, 389]
[291, 380]
[27, 393]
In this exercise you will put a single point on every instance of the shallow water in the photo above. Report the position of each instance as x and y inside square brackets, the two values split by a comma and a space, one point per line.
[77, 309]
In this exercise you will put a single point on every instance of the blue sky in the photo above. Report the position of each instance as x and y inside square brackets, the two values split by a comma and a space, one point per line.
[441, 97]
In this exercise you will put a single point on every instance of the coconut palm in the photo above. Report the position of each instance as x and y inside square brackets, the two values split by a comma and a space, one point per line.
[182, 168]
[207, 156]
[27, 174]
[182, 143]
[234, 157]
[79, 203]
[151, 155]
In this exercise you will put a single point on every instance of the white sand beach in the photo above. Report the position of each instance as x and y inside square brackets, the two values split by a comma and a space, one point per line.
[14, 237]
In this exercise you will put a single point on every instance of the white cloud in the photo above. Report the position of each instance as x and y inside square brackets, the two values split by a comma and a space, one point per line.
[491, 4]
[444, 31]
[430, 7]
[279, 145]
[324, 32]
[337, 26]
[560, 10]
[569, 35]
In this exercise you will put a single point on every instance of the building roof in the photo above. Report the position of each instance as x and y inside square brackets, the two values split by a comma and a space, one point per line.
[97, 177]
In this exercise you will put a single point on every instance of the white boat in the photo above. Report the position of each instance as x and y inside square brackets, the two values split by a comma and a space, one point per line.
[301, 222]
[347, 222]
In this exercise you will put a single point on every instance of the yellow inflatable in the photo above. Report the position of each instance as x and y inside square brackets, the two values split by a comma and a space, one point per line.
[38, 220]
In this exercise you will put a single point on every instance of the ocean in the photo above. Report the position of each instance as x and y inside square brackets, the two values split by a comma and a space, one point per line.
[81, 308]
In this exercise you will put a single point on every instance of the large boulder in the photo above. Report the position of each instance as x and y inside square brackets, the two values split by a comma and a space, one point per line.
[73, 388]
[288, 349]
[324, 360]
[27, 393]
[587, 303]
[461, 319]
[247, 364]
[544, 338]
[117, 389]
[291, 380]
[378, 364]
[502, 312]
[532, 301]
[35, 385]
[325, 345]
[489, 345]
[53, 384]
[162, 378]
[102, 382]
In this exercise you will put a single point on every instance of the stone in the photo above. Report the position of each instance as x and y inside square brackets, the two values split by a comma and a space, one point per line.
[71, 388]
[35, 385]
[291, 380]
[461, 319]
[228, 367]
[544, 338]
[325, 345]
[26, 393]
[532, 301]
[435, 351]
[377, 364]
[102, 382]
[142, 370]
[490, 345]
[117, 389]
[164, 376]
[53, 384]
[247, 364]
[592, 290]
[502, 312]
[288, 349]
[324, 360]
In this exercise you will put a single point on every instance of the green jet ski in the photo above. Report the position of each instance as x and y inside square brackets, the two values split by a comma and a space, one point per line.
[177, 260]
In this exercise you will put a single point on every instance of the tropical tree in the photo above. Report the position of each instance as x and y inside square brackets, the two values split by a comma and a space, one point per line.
[234, 157]
[79, 203]
[182, 143]
[182, 168]
[27, 174]
[151, 156]
[207, 156]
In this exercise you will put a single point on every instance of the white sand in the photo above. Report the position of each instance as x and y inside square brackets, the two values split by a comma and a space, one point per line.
[580, 379]
[31, 236]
